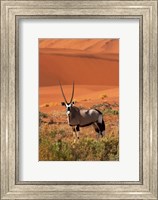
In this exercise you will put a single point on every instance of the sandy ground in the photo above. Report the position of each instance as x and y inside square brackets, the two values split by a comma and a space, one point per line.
[85, 96]
[104, 98]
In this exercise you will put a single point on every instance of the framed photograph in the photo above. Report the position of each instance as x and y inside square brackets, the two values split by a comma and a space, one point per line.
[79, 99]
[93, 99]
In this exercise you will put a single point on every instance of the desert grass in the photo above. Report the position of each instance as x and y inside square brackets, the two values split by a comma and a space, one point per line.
[56, 138]
[56, 143]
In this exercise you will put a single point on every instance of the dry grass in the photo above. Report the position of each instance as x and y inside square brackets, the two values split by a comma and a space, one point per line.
[103, 96]
[56, 143]
[56, 138]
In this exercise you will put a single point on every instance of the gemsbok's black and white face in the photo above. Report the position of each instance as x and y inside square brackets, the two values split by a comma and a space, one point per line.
[81, 117]
[68, 107]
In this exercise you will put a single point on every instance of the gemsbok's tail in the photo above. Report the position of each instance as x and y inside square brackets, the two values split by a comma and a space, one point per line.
[101, 124]
[102, 128]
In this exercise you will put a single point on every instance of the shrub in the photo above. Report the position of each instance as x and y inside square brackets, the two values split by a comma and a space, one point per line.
[43, 115]
[103, 96]
[51, 121]
[110, 111]
[53, 133]
[54, 146]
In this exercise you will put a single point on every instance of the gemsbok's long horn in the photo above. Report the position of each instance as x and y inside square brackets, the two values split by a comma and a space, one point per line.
[72, 92]
[62, 92]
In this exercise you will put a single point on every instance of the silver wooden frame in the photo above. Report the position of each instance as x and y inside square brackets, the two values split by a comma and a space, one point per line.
[11, 12]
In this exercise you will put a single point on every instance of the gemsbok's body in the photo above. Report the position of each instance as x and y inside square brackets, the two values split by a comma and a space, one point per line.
[81, 117]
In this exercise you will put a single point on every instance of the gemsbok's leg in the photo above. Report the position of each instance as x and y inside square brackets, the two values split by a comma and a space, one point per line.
[96, 130]
[77, 131]
[74, 133]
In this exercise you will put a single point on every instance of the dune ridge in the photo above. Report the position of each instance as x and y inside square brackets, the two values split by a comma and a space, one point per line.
[78, 53]
[87, 61]
[82, 92]
[84, 45]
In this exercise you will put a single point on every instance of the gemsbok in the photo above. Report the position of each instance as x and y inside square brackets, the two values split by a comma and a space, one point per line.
[81, 117]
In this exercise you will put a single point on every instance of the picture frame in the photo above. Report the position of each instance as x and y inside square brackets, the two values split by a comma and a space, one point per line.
[11, 12]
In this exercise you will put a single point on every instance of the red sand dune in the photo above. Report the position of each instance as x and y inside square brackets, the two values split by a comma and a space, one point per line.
[87, 61]
[82, 92]
[85, 45]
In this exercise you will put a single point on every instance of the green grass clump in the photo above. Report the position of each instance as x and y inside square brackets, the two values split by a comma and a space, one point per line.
[106, 108]
[110, 111]
[53, 133]
[60, 151]
[43, 115]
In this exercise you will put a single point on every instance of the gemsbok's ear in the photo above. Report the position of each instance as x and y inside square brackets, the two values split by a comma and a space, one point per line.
[63, 103]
